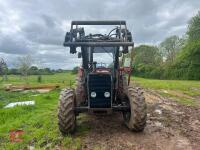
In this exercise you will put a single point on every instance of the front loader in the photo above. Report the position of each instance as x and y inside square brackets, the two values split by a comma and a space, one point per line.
[101, 88]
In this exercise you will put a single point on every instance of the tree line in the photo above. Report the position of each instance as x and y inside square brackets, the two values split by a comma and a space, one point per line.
[24, 67]
[174, 58]
[34, 70]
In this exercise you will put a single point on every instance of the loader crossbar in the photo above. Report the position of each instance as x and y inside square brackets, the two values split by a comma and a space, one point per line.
[121, 22]
[106, 44]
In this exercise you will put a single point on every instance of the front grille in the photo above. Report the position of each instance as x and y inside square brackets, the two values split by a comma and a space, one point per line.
[99, 83]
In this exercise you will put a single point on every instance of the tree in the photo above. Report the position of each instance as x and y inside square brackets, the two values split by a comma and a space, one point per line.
[3, 69]
[14, 71]
[194, 28]
[47, 70]
[170, 47]
[24, 64]
[187, 64]
[147, 61]
[34, 70]
[146, 54]
[75, 70]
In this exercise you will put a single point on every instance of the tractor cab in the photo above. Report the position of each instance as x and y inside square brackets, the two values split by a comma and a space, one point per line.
[101, 59]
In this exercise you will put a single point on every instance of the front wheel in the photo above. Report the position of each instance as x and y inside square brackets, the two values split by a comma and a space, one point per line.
[66, 114]
[135, 119]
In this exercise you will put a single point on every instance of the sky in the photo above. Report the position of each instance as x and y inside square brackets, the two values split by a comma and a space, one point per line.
[37, 27]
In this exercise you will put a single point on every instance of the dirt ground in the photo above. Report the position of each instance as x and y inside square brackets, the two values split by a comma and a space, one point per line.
[170, 126]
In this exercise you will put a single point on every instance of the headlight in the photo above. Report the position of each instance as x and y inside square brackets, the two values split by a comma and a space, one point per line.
[107, 94]
[93, 94]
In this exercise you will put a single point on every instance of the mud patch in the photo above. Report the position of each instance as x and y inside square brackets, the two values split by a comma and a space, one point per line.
[170, 126]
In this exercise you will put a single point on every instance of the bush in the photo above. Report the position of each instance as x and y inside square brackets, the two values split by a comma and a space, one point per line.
[75, 70]
[39, 79]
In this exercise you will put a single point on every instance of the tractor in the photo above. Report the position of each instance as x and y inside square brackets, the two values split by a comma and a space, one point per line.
[100, 88]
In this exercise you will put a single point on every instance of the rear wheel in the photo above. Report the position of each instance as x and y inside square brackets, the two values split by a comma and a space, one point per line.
[135, 119]
[66, 114]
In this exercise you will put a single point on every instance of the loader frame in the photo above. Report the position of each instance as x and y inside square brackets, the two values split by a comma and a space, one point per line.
[122, 40]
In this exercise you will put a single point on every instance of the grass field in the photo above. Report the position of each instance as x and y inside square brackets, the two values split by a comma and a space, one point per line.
[180, 90]
[62, 79]
[190, 87]
[39, 122]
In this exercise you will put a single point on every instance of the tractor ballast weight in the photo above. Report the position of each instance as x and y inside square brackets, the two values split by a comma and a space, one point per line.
[102, 89]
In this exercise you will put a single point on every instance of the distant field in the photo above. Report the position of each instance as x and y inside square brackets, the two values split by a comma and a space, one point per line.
[39, 122]
[62, 79]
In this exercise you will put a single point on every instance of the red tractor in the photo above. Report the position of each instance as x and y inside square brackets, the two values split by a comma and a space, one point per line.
[102, 88]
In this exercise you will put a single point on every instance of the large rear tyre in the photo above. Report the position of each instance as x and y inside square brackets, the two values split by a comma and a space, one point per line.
[66, 114]
[135, 119]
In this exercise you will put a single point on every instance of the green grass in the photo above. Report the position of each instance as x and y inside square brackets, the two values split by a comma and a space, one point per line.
[191, 88]
[39, 122]
[180, 100]
[62, 79]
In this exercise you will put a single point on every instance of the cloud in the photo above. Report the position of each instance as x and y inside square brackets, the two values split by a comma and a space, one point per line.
[59, 58]
[14, 44]
[43, 33]
[38, 27]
